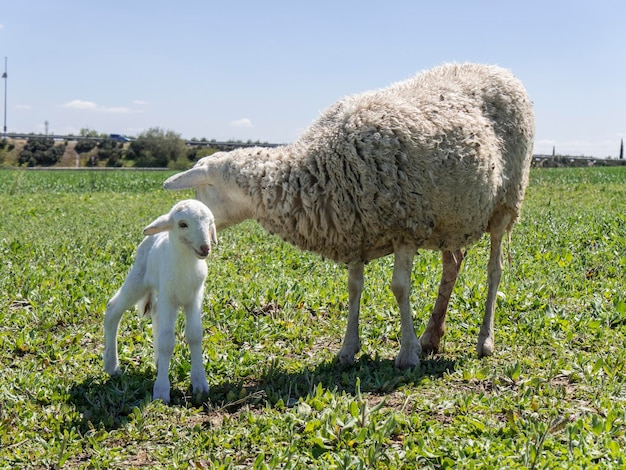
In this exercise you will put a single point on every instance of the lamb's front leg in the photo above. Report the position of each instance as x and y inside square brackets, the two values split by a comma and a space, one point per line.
[410, 348]
[193, 332]
[451, 265]
[351, 341]
[166, 322]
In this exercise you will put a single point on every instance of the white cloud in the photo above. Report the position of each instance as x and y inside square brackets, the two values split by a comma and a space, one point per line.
[140, 102]
[25, 107]
[91, 106]
[80, 104]
[244, 122]
[1, 26]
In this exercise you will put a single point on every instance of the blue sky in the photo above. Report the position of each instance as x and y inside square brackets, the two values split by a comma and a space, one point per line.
[265, 70]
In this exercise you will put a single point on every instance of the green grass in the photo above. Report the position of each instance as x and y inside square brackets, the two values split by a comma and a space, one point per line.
[552, 396]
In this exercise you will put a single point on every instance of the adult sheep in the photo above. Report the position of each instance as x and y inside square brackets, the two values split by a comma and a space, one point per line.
[431, 162]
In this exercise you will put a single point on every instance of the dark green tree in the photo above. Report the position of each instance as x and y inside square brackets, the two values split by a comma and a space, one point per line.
[84, 146]
[111, 151]
[86, 132]
[195, 154]
[41, 151]
[157, 148]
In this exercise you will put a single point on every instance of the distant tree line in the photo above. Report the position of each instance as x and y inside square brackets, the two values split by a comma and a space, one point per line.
[155, 147]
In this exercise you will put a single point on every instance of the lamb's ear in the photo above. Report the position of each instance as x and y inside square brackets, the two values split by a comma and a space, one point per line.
[213, 232]
[160, 224]
[197, 176]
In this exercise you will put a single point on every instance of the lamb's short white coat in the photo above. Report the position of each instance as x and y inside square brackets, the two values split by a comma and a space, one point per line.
[169, 272]
[431, 162]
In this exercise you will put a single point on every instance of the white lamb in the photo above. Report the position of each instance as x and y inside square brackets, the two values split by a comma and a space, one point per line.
[170, 261]
[431, 162]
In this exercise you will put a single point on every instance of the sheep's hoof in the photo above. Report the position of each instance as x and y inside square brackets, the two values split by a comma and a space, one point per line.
[485, 346]
[408, 358]
[347, 353]
[345, 360]
[429, 343]
[405, 364]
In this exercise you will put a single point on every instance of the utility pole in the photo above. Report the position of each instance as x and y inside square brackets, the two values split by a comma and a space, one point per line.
[621, 150]
[4, 75]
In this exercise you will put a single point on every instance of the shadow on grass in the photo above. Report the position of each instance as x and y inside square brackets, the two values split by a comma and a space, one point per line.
[376, 377]
[106, 403]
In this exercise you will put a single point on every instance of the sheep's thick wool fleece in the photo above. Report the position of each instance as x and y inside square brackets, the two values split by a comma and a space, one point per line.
[433, 160]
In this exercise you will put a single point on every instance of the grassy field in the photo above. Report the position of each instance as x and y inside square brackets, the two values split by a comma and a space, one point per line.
[552, 396]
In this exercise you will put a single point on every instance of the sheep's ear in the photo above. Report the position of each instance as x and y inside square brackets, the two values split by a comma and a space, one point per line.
[160, 224]
[197, 176]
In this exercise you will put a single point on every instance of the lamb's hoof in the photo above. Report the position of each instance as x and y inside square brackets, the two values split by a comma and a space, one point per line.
[200, 387]
[112, 367]
[200, 395]
[114, 371]
[485, 346]
[161, 392]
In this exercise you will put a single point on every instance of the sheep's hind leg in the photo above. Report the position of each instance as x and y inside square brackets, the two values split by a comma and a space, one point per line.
[436, 327]
[410, 348]
[193, 332]
[351, 341]
[485, 344]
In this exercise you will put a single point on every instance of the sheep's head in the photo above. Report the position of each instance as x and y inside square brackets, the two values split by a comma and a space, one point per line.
[209, 178]
[192, 224]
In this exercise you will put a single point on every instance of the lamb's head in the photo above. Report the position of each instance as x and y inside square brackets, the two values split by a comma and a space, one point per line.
[212, 180]
[190, 223]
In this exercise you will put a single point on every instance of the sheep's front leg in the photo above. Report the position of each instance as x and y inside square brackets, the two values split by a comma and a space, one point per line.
[436, 327]
[193, 332]
[497, 228]
[351, 341]
[166, 313]
[410, 348]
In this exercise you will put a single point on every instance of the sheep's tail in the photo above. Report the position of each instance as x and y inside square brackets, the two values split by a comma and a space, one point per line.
[146, 304]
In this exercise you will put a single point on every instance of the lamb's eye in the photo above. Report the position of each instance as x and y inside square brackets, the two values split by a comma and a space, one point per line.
[182, 224]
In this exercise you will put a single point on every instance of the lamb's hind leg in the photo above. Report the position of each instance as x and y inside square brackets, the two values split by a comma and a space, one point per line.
[351, 341]
[436, 327]
[485, 344]
[128, 295]
[410, 349]
[193, 332]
